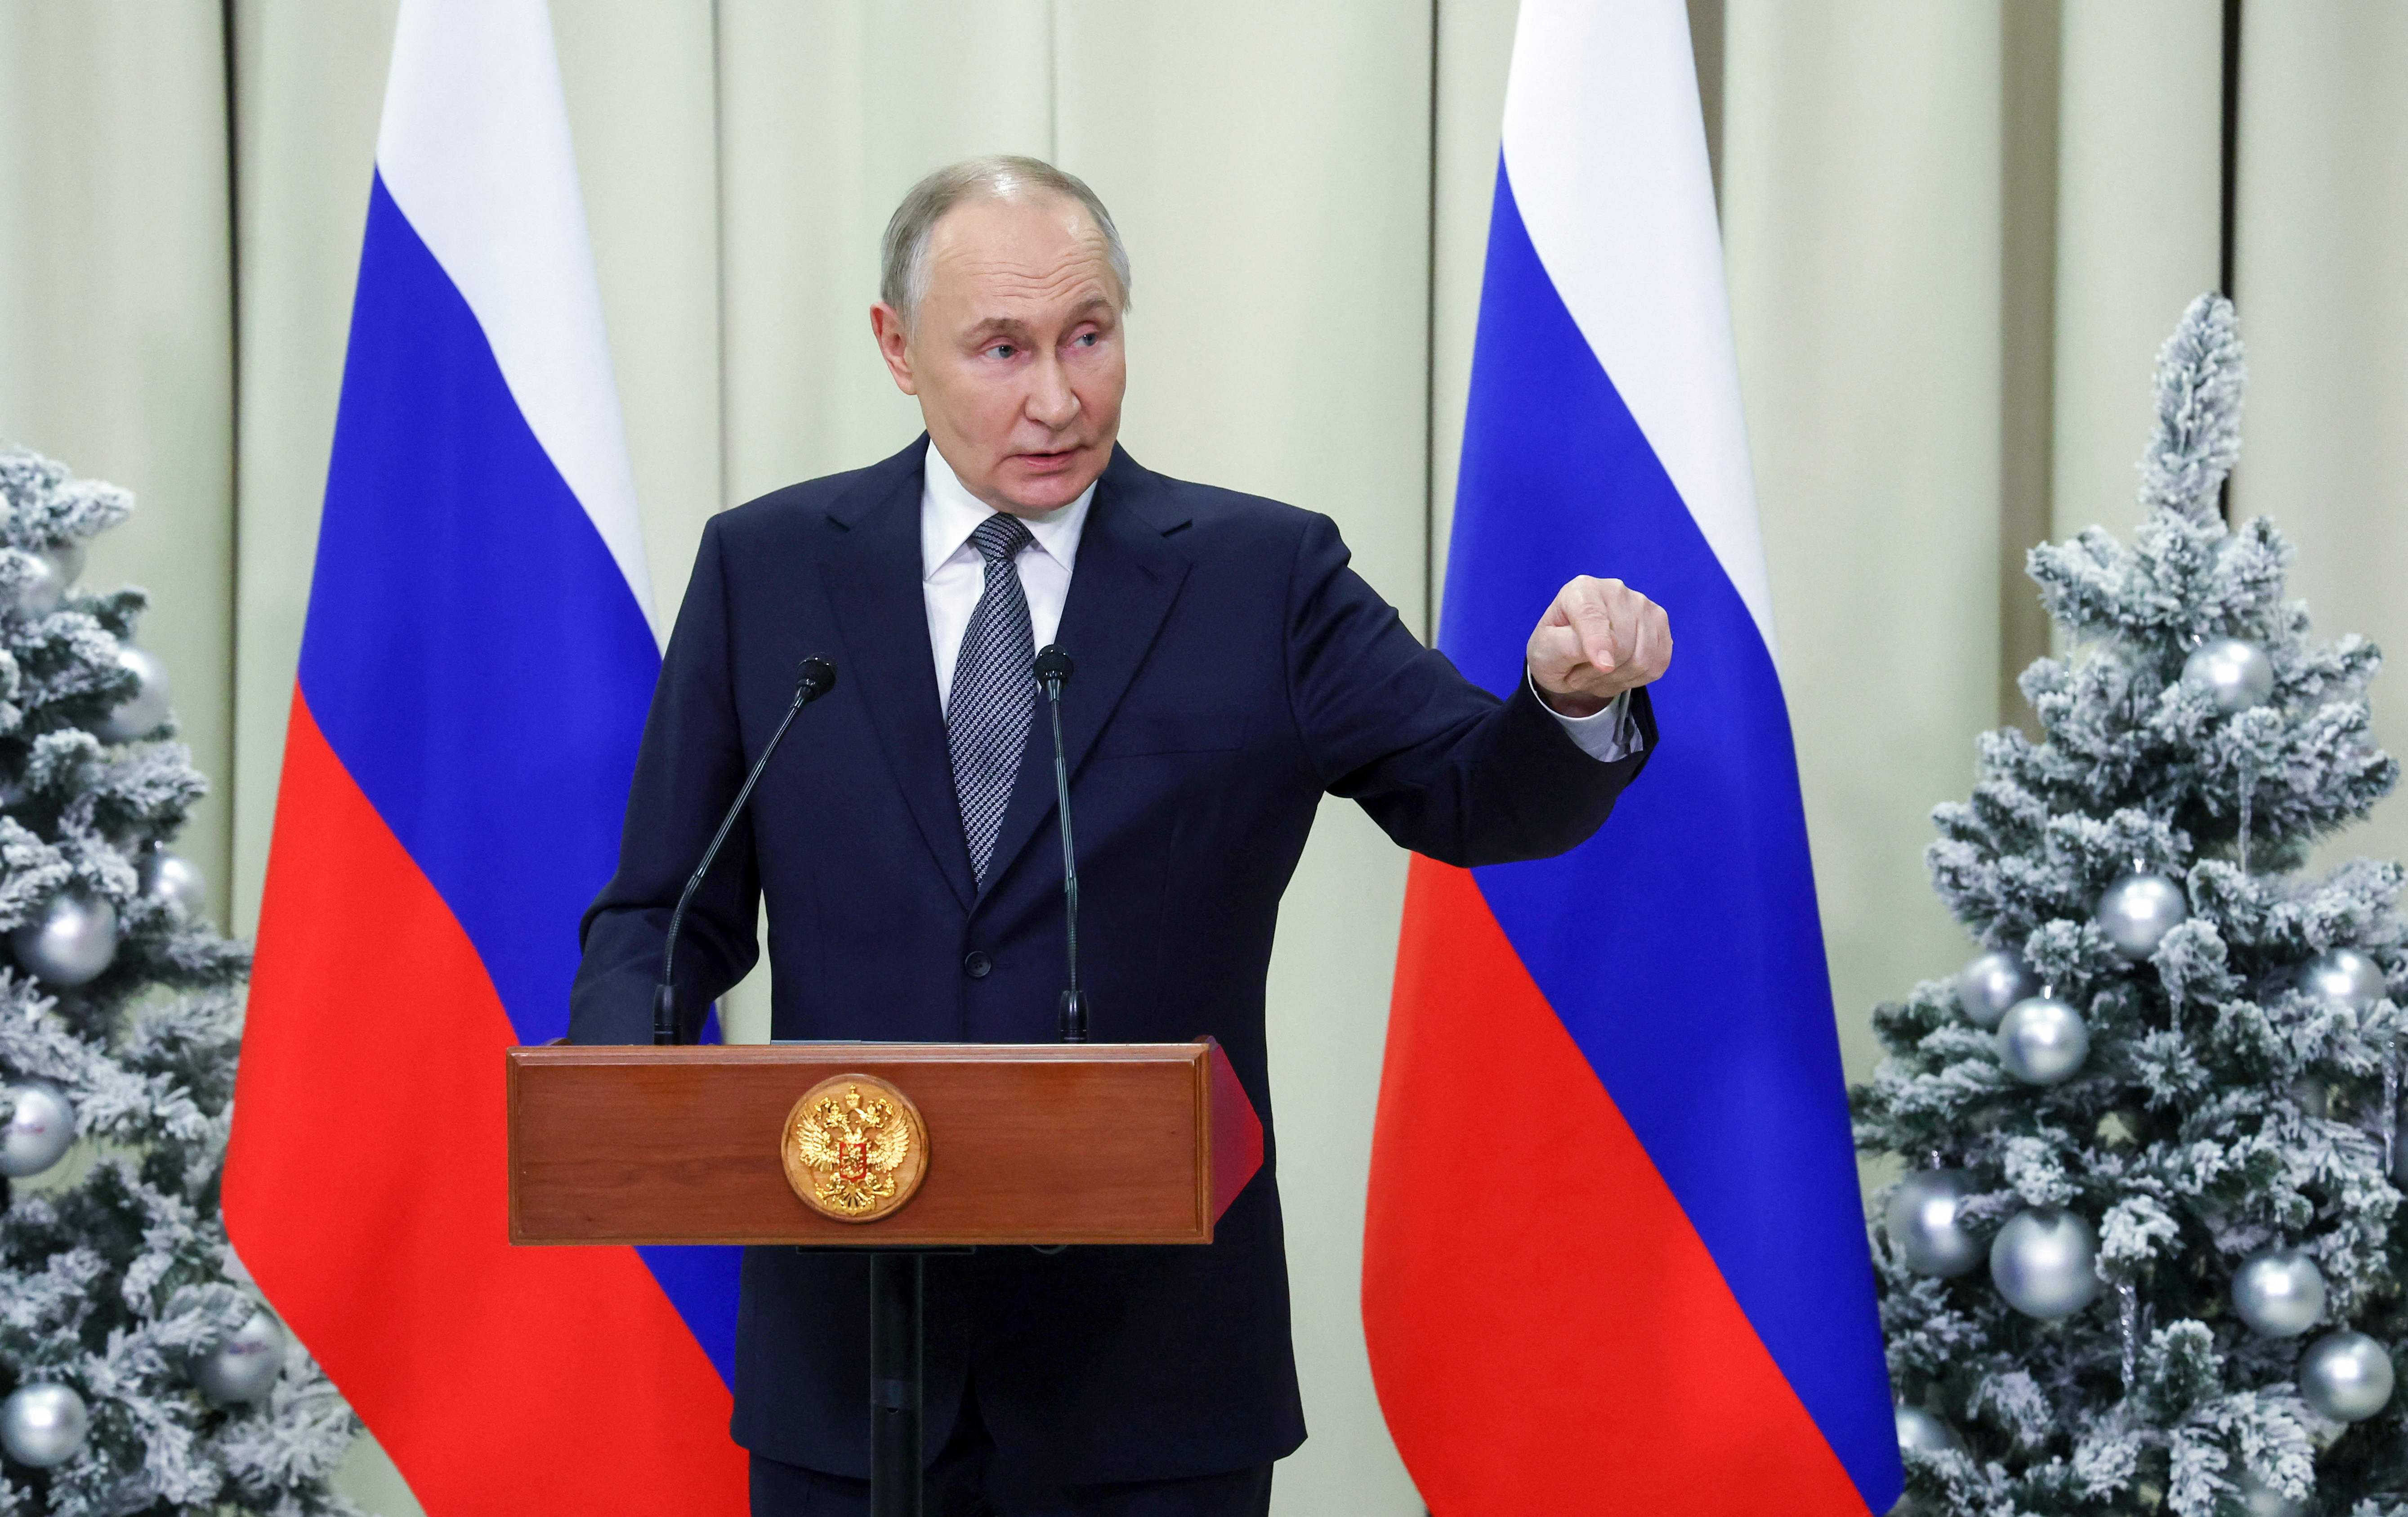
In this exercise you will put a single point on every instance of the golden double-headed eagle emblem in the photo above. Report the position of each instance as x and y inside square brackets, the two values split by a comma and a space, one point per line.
[854, 1148]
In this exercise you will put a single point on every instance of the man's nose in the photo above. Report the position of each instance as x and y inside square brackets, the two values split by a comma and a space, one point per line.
[1052, 402]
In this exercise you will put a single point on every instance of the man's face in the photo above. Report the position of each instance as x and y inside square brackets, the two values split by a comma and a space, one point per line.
[1015, 351]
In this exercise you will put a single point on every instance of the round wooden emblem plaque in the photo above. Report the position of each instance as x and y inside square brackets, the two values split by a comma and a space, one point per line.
[854, 1148]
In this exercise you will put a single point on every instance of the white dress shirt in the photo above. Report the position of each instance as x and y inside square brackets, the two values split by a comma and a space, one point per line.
[952, 576]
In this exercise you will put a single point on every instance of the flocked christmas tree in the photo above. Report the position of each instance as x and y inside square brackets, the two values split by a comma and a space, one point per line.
[2147, 1254]
[138, 1377]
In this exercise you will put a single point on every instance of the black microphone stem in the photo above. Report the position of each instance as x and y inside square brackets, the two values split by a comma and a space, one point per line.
[1054, 667]
[1074, 1007]
[816, 678]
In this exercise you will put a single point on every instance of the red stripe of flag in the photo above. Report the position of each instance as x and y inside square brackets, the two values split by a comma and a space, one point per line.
[1548, 1333]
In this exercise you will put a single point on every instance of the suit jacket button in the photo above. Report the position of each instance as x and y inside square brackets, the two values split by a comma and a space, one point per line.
[976, 965]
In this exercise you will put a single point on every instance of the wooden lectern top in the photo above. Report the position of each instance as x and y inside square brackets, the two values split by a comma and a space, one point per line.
[1039, 1143]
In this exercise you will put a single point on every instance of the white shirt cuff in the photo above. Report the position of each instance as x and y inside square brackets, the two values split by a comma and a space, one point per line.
[1605, 736]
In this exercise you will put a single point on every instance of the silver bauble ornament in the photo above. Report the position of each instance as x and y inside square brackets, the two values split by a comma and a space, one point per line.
[174, 880]
[1924, 1225]
[245, 1364]
[40, 591]
[43, 1423]
[2280, 1293]
[1920, 1432]
[2042, 1041]
[2259, 1499]
[2346, 1376]
[2043, 1260]
[2138, 910]
[70, 942]
[41, 1128]
[2239, 674]
[65, 560]
[139, 714]
[2345, 976]
[1990, 985]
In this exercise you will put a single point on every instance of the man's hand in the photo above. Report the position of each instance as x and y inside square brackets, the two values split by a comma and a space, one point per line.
[1599, 638]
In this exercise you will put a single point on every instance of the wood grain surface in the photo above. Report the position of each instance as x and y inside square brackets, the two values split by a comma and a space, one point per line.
[1028, 1143]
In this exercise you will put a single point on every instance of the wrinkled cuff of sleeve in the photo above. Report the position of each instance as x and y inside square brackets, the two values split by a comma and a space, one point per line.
[1608, 736]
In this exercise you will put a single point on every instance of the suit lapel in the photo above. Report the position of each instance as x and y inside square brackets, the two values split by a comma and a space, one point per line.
[1121, 586]
[872, 575]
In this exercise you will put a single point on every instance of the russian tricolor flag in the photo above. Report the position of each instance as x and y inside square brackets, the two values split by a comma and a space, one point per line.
[1615, 1258]
[475, 670]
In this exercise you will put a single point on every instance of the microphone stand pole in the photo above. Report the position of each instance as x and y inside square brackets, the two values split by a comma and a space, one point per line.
[813, 679]
[898, 1380]
[1053, 670]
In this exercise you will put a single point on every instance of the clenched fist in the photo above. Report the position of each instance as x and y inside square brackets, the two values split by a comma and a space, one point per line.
[1599, 638]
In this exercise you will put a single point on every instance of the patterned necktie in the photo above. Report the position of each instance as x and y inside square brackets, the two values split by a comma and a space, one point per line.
[994, 695]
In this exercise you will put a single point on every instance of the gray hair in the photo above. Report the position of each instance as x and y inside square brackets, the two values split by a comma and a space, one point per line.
[903, 253]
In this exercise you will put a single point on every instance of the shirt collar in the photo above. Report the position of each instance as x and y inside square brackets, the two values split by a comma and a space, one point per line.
[949, 513]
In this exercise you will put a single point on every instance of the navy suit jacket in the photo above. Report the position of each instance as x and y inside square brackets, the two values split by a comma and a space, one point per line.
[1231, 668]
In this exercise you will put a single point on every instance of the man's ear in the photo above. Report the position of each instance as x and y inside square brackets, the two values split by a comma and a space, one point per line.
[893, 345]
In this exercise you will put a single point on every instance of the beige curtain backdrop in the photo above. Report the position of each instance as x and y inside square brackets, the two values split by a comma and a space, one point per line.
[1955, 235]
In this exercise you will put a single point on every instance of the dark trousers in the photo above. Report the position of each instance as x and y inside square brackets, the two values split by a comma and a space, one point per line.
[961, 1484]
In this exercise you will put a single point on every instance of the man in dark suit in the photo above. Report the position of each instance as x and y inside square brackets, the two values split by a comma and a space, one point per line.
[1230, 669]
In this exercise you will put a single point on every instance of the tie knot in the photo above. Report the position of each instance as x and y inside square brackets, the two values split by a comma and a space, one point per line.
[1001, 537]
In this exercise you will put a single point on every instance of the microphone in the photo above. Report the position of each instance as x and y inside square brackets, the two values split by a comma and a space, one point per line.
[1054, 669]
[814, 678]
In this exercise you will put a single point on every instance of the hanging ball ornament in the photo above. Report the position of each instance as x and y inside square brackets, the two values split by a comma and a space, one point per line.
[1920, 1432]
[2138, 910]
[2239, 674]
[1926, 1226]
[2259, 1499]
[2280, 1293]
[41, 1127]
[2042, 1041]
[42, 588]
[244, 1366]
[173, 880]
[1990, 985]
[70, 942]
[65, 560]
[43, 1423]
[2345, 976]
[139, 714]
[45, 588]
[2346, 1376]
[2043, 1260]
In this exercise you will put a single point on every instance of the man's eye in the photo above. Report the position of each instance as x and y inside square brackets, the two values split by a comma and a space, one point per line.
[1088, 340]
[1001, 349]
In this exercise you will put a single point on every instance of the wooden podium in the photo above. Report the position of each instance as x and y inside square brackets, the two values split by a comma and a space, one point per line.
[974, 1144]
